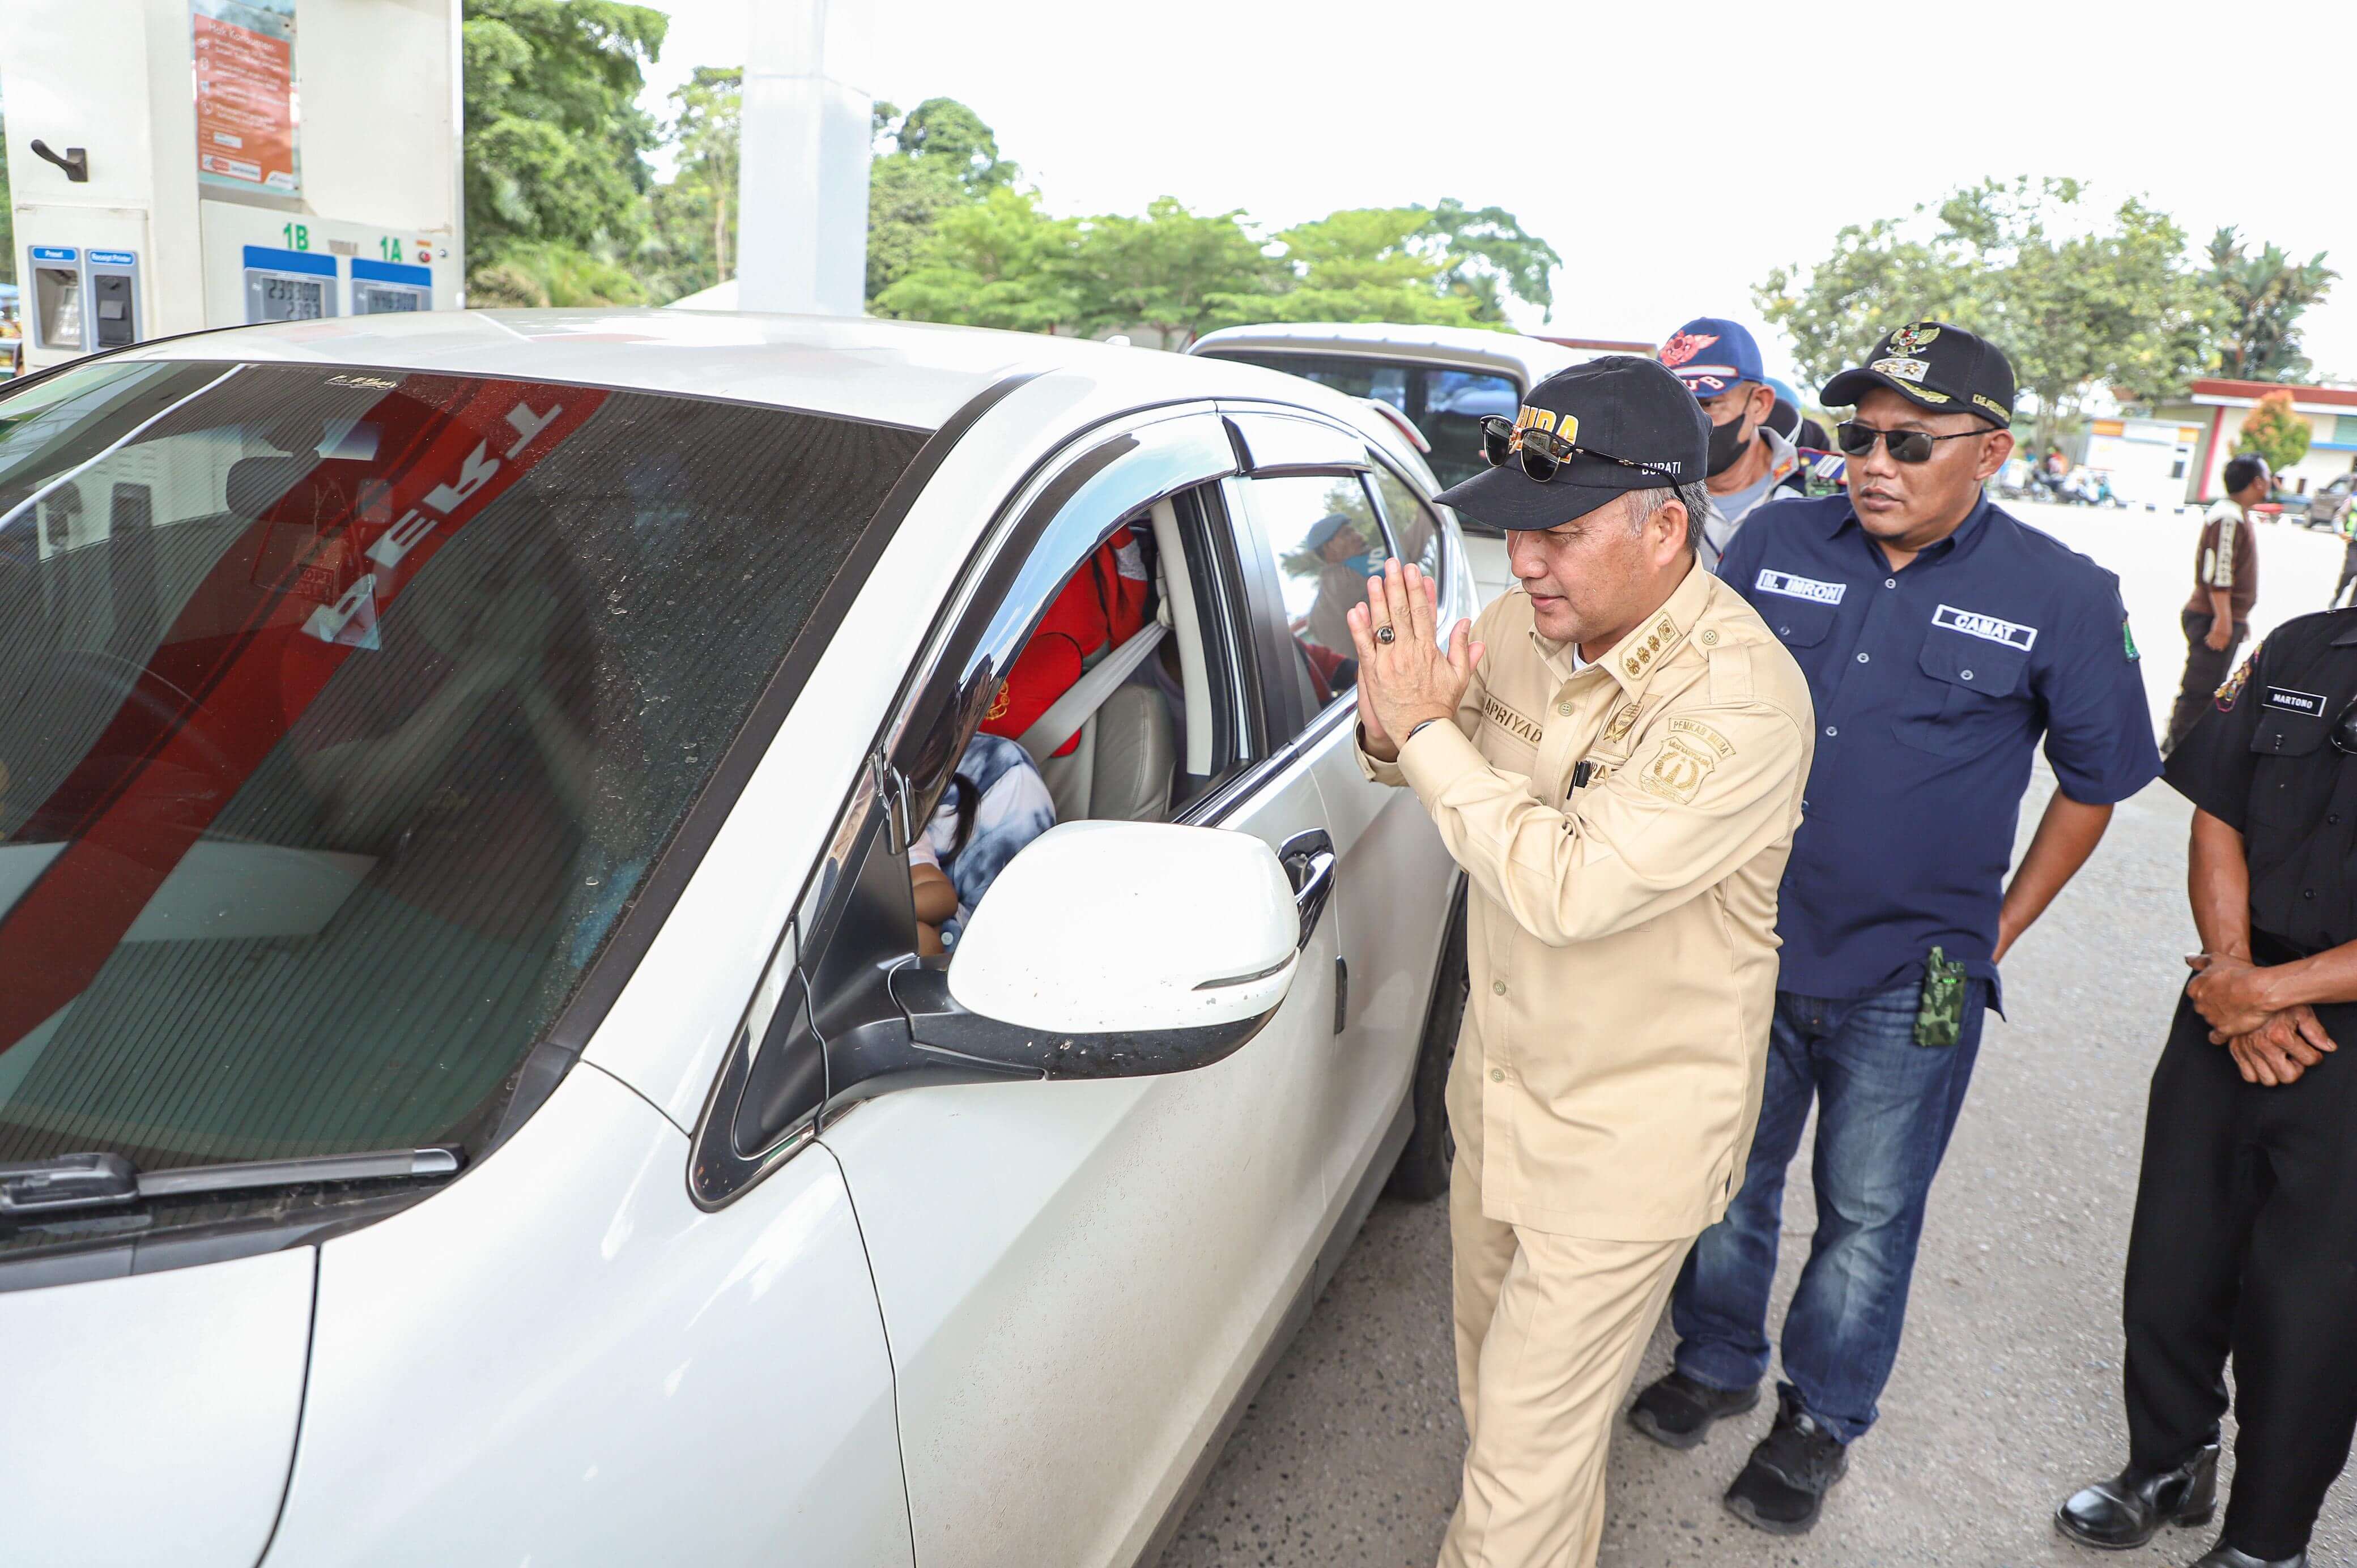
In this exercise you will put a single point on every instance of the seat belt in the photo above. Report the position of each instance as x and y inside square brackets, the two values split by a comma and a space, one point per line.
[1070, 712]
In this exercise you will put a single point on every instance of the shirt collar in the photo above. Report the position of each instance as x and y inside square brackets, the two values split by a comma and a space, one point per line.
[1968, 534]
[1631, 660]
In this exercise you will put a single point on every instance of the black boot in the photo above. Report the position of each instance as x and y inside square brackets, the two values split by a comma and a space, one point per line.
[2129, 1509]
[1785, 1482]
[2225, 1556]
[1677, 1412]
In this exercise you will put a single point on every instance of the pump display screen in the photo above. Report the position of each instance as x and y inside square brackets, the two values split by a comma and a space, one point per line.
[291, 299]
[369, 299]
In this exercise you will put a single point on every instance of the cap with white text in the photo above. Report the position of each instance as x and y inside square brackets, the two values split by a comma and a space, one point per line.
[1711, 354]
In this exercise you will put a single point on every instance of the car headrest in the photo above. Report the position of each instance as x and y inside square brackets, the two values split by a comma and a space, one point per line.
[255, 484]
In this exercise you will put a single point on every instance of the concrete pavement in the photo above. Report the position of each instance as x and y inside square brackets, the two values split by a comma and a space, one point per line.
[2006, 1392]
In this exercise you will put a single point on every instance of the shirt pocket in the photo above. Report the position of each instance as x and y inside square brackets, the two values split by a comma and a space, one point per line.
[1797, 623]
[1969, 696]
[2292, 774]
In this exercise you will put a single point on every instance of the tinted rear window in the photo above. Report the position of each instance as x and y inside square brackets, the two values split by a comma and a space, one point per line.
[342, 714]
[1447, 405]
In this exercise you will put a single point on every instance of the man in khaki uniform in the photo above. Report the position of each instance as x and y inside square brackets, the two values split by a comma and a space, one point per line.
[1615, 756]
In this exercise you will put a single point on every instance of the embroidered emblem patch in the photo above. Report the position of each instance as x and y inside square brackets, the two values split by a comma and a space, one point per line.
[1621, 721]
[2286, 700]
[1987, 627]
[1793, 585]
[1993, 406]
[2235, 682]
[1914, 339]
[1677, 771]
[1902, 370]
[1685, 346]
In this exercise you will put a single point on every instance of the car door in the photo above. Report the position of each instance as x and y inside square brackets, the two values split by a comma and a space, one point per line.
[1077, 1278]
[1306, 498]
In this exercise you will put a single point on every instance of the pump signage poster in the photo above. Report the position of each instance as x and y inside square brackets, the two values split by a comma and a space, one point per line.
[245, 95]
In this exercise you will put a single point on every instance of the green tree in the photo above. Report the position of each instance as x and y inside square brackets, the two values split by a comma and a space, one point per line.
[2273, 432]
[1169, 271]
[555, 143]
[1486, 252]
[998, 261]
[937, 157]
[2075, 299]
[534, 275]
[1360, 265]
[2260, 299]
[694, 213]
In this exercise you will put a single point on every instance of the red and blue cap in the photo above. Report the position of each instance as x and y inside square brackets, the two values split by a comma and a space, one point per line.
[1711, 354]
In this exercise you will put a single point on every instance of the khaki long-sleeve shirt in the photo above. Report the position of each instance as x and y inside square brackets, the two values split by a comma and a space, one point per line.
[1623, 828]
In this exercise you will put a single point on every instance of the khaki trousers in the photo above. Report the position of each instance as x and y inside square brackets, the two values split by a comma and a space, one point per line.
[1550, 1330]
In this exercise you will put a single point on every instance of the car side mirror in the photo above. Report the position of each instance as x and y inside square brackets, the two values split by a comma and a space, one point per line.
[1114, 949]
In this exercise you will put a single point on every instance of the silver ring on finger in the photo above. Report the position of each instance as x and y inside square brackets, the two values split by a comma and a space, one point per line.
[1385, 634]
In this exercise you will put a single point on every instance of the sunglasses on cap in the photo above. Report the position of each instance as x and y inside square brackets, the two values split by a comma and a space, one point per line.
[1905, 446]
[1543, 453]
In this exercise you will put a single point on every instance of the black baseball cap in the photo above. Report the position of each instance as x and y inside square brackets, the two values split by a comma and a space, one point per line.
[1619, 406]
[1935, 366]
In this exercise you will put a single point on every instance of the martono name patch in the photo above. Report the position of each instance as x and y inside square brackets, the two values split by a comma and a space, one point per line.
[1987, 627]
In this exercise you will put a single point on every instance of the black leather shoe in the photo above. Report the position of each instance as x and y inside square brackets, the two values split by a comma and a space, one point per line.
[1677, 1412]
[2129, 1509]
[1785, 1482]
[2225, 1556]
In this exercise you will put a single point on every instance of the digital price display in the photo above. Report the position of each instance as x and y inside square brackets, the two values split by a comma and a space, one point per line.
[288, 285]
[380, 286]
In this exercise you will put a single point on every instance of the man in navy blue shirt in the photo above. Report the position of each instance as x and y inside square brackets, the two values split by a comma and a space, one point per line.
[1940, 639]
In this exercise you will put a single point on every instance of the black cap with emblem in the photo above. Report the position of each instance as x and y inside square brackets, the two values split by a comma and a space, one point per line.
[1935, 366]
[1630, 425]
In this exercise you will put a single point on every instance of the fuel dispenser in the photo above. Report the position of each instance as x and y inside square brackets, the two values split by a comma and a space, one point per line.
[230, 161]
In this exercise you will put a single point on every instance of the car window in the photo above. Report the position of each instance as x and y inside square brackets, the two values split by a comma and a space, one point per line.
[1416, 532]
[1448, 409]
[1323, 539]
[346, 714]
[1445, 404]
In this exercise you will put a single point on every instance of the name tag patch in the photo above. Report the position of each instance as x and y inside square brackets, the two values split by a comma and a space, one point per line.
[2292, 701]
[1987, 627]
[1796, 588]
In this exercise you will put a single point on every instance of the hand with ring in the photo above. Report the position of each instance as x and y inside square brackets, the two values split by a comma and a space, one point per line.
[1406, 675]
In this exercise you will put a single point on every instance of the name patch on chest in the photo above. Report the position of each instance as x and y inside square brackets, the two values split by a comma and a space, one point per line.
[1987, 627]
[2291, 702]
[1798, 587]
[1514, 724]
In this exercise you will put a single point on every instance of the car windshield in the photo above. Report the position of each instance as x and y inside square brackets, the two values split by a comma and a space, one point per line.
[342, 714]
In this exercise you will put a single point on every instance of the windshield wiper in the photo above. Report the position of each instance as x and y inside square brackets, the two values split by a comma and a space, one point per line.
[96, 1180]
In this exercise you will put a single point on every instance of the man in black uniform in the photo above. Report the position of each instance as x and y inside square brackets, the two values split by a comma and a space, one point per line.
[2244, 1242]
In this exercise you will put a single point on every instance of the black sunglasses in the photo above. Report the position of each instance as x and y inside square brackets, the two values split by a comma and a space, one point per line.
[1543, 453]
[1906, 445]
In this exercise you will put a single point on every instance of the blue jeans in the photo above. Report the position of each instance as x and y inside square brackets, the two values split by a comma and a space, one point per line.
[1886, 1106]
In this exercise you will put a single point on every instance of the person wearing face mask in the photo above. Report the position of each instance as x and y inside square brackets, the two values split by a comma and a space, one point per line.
[1942, 639]
[1751, 460]
[1616, 764]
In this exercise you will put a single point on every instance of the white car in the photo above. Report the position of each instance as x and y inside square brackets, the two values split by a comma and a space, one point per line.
[468, 1090]
[1442, 380]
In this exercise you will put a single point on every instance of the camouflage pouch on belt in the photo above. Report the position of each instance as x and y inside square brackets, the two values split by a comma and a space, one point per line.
[1940, 1012]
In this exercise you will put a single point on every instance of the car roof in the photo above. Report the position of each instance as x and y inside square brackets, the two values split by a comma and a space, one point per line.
[909, 373]
[1534, 359]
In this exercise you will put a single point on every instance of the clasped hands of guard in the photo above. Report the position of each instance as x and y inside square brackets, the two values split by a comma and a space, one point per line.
[2272, 1045]
[1409, 677]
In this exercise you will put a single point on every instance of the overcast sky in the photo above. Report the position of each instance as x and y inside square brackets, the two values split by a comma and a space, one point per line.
[1672, 153]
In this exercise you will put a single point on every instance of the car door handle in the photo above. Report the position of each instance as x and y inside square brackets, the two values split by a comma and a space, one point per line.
[1308, 860]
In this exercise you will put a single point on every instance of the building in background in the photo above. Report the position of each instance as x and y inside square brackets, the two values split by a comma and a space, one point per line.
[2218, 407]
